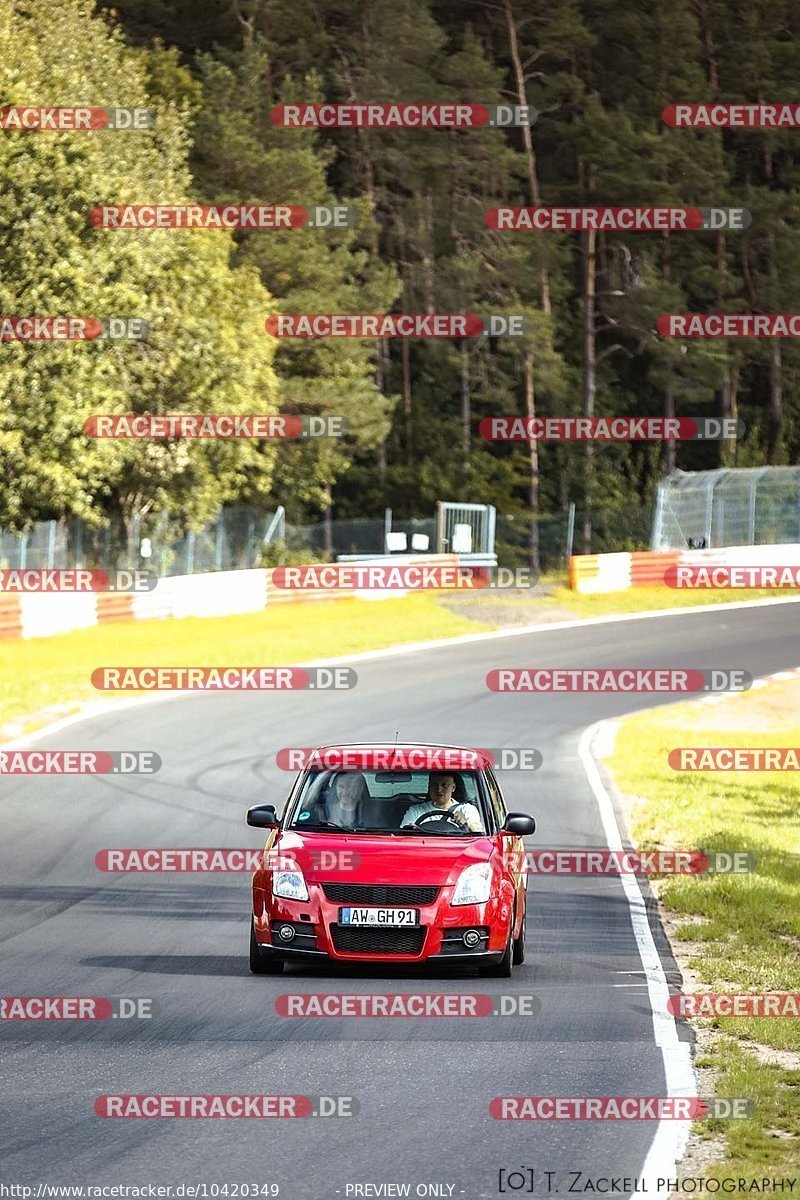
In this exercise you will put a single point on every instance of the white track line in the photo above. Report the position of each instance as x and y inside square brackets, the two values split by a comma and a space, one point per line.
[669, 1141]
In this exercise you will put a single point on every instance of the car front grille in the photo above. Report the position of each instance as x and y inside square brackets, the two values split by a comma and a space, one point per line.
[360, 893]
[368, 939]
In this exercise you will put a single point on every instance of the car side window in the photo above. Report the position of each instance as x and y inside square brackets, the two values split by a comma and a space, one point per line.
[496, 799]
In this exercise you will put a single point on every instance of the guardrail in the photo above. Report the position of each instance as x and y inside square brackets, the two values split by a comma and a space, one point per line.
[593, 573]
[216, 594]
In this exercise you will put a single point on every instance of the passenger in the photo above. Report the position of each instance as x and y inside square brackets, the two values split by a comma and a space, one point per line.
[344, 801]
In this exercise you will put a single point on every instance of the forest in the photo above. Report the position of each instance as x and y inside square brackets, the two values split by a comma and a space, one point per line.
[599, 75]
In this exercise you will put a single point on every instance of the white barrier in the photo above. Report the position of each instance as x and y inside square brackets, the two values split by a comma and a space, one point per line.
[216, 594]
[43, 614]
[593, 573]
[221, 594]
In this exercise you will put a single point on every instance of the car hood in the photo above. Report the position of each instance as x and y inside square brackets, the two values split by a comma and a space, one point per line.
[367, 858]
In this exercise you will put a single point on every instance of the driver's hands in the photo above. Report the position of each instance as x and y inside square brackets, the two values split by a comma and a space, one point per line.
[462, 819]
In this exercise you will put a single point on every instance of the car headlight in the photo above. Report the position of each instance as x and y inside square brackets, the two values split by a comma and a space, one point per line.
[474, 885]
[290, 885]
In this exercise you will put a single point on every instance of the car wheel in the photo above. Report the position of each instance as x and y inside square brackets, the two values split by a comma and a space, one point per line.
[261, 963]
[518, 953]
[501, 969]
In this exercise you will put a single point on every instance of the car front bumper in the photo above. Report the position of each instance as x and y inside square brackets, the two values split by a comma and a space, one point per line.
[316, 931]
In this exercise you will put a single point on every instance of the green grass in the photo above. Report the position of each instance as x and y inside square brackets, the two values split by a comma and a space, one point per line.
[735, 932]
[645, 599]
[766, 1144]
[44, 672]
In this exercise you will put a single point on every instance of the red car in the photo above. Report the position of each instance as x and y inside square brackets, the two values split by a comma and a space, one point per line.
[391, 854]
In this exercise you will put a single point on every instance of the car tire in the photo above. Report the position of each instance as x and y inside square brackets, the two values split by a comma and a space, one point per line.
[501, 969]
[261, 963]
[518, 953]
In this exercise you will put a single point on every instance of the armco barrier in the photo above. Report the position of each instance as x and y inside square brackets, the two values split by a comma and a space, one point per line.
[592, 573]
[221, 593]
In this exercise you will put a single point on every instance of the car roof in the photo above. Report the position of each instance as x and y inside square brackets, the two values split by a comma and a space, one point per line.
[421, 756]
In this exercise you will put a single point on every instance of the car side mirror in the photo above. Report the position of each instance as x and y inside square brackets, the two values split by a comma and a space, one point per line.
[263, 816]
[520, 824]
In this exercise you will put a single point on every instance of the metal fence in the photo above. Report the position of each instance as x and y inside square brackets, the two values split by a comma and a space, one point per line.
[237, 539]
[750, 506]
[234, 541]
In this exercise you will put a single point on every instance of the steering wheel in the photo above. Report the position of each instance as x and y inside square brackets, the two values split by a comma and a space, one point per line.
[428, 818]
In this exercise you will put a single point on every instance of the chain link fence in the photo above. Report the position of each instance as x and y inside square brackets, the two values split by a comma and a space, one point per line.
[744, 506]
[234, 541]
[243, 537]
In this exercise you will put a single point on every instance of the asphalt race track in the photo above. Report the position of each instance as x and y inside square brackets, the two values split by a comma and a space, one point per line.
[423, 1086]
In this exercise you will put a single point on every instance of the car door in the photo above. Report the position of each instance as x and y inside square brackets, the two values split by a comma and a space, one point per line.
[513, 848]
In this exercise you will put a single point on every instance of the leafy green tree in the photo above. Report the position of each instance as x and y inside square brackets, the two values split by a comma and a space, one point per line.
[207, 350]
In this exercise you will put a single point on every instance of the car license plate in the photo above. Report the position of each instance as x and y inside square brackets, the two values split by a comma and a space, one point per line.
[378, 916]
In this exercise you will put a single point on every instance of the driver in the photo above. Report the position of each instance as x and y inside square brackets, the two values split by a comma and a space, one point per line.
[441, 788]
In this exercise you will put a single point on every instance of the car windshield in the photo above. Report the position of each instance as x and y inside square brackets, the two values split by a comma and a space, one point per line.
[405, 803]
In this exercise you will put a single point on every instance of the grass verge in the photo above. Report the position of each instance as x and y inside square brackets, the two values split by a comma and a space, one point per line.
[646, 599]
[735, 933]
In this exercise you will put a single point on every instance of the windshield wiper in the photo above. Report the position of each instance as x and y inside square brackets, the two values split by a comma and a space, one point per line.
[324, 825]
